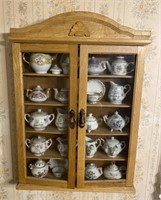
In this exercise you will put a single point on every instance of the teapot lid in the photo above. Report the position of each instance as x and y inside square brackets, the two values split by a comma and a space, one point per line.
[37, 88]
[39, 113]
[93, 60]
[56, 68]
[112, 167]
[38, 139]
[116, 115]
[92, 166]
[112, 141]
[90, 118]
[39, 163]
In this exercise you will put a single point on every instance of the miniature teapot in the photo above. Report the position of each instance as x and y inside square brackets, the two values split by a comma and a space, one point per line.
[113, 147]
[116, 122]
[92, 171]
[38, 145]
[119, 66]
[95, 67]
[39, 169]
[92, 123]
[61, 95]
[39, 120]
[91, 147]
[61, 121]
[40, 62]
[112, 171]
[117, 92]
[37, 94]
[62, 146]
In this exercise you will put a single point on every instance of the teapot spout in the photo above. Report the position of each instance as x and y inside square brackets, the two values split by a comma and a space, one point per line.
[56, 93]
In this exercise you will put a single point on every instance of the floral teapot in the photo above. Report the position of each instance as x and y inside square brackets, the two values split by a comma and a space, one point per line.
[61, 95]
[40, 62]
[62, 146]
[113, 147]
[37, 94]
[92, 123]
[39, 120]
[91, 146]
[119, 66]
[116, 122]
[96, 67]
[112, 171]
[39, 169]
[92, 171]
[38, 145]
[117, 92]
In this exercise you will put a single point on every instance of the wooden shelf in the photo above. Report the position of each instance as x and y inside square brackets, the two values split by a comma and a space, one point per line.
[49, 130]
[110, 76]
[52, 75]
[49, 154]
[107, 104]
[104, 131]
[46, 103]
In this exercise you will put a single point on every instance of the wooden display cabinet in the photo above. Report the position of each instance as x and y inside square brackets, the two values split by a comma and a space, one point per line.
[80, 36]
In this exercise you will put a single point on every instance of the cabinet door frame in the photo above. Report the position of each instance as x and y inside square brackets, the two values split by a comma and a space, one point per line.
[72, 50]
[136, 102]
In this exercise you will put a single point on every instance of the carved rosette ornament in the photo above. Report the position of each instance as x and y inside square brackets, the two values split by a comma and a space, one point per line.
[79, 30]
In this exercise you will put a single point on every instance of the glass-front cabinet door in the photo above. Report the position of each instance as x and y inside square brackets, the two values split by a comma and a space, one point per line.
[46, 78]
[107, 115]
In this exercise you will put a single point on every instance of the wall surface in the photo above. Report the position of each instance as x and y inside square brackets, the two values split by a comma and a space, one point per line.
[139, 14]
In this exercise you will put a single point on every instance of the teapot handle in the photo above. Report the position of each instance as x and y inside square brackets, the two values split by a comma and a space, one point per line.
[27, 116]
[127, 119]
[27, 92]
[105, 119]
[23, 57]
[123, 144]
[49, 143]
[131, 63]
[27, 142]
[51, 118]
[103, 64]
[98, 143]
[100, 170]
[128, 87]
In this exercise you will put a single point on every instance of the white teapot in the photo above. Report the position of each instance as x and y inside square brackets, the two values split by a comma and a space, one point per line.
[112, 171]
[95, 67]
[37, 94]
[40, 62]
[92, 123]
[117, 92]
[92, 171]
[119, 66]
[116, 122]
[39, 169]
[113, 147]
[39, 120]
[38, 145]
[61, 95]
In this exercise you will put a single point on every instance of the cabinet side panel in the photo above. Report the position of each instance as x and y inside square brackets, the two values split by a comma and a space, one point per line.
[137, 94]
[18, 86]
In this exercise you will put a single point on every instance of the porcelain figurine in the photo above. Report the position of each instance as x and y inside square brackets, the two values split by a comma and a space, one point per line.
[91, 147]
[92, 123]
[56, 69]
[120, 66]
[61, 121]
[37, 94]
[113, 147]
[38, 145]
[61, 95]
[117, 92]
[39, 120]
[116, 122]
[40, 62]
[96, 67]
[62, 146]
[93, 97]
[112, 172]
[39, 169]
[92, 171]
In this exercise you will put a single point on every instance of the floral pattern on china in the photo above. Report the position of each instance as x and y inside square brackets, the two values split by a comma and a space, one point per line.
[96, 67]
[39, 169]
[92, 171]
[37, 94]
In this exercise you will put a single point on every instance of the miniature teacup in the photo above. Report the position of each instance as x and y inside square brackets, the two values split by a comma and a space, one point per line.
[93, 97]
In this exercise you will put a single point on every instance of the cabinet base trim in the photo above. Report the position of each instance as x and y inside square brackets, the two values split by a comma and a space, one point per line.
[51, 188]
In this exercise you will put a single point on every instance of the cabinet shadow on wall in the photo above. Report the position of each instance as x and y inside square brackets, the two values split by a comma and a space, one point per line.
[12, 112]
